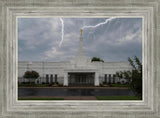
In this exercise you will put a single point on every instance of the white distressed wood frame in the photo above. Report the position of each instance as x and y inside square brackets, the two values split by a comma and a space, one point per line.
[10, 107]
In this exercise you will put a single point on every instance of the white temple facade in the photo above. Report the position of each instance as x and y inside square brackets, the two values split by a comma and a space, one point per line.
[78, 71]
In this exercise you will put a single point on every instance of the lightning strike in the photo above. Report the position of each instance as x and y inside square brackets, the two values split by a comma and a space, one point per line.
[62, 34]
[62, 31]
[84, 27]
[99, 24]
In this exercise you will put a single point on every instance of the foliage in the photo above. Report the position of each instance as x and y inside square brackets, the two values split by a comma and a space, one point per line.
[125, 74]
[96, 59]
[31, 74]
[60, 84]
[134, 77]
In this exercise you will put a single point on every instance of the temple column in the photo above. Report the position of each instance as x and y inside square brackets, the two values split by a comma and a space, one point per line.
[65, 79]
[49, 79]
[111, 78]
[96, 81]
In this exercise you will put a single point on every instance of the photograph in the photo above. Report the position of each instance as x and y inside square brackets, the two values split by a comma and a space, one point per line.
[80, 58]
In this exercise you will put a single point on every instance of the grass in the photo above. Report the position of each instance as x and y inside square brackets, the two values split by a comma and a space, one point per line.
[40, 99]
[118, 98]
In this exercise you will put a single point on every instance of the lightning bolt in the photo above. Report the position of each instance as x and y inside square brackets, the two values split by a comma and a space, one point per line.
[62, 31]
[99, 24]
[62, 34]
[84, 27]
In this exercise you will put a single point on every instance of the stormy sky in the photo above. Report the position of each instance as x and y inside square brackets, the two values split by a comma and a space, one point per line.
[39, 38]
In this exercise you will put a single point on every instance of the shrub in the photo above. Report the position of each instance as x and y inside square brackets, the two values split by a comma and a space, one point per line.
[31, 74]
[60, 84]
[55, 85]
[101, 84]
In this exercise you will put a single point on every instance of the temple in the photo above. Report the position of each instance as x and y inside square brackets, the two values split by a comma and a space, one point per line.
[79, 71]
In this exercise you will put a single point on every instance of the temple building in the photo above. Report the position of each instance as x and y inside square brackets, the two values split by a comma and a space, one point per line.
[78, 71]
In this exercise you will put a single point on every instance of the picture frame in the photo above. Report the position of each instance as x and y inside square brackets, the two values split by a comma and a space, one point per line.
[11, 107]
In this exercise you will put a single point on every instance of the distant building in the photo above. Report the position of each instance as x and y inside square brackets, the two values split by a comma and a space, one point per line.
[78, 71]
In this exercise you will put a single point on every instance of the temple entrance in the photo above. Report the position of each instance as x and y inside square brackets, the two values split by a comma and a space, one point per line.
[81, 79]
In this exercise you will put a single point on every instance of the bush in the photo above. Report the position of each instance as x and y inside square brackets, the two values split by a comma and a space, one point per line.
[31, 74]
[60, 84]
[101, 84]
[55, 85]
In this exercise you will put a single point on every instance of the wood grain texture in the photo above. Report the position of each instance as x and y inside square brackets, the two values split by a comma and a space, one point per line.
[11, 108]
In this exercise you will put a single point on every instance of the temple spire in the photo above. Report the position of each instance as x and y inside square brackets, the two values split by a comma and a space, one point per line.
[81, 32]
[81, 53]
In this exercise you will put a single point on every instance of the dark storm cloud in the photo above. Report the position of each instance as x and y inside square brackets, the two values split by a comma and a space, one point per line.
[38, 38]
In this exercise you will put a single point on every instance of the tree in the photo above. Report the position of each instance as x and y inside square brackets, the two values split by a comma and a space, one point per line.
[134, 77]
[31, 75]
[96, 59]
[125, 74]
[119, 75]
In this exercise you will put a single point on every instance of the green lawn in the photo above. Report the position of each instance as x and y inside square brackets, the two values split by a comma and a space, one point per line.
[40, 99]
[117, 98]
